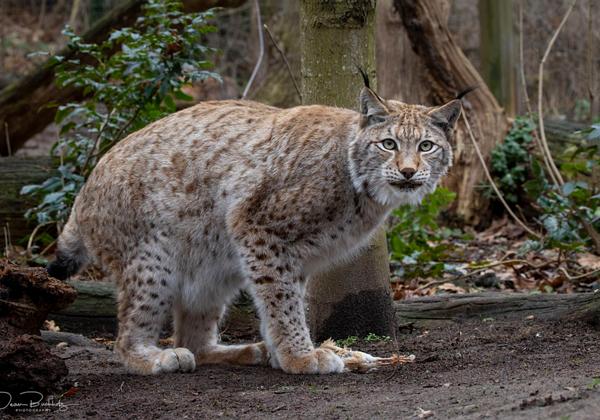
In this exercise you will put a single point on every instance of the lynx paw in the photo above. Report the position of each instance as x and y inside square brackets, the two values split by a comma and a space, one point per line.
[319, 361]
[172, 360]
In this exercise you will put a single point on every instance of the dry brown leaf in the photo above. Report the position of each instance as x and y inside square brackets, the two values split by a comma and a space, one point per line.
[589, 261]
[452, 288]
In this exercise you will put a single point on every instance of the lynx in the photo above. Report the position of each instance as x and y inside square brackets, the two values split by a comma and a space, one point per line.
[234, 194]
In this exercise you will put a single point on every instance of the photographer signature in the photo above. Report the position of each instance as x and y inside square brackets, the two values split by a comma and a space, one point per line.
[30, 401]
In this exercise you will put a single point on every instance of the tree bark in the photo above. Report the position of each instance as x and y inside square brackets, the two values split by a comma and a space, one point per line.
[401, 73]
[24, 104]
[498, 51]
[336, 36]
[450, 72]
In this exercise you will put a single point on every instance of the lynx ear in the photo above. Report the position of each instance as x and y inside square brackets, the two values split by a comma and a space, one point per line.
[372, 107]
[445, 116]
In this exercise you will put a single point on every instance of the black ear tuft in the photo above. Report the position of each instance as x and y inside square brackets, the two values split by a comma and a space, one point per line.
[365, 77]
[466, 91]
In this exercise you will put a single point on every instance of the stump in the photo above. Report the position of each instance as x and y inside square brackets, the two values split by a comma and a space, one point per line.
[27, 295]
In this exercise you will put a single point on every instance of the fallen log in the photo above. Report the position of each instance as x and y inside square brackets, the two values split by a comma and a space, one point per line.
[97, 299]
[433, 310]
[94, 299]
[14, 174]
[23, 104]
[562, 134]
[94, 312]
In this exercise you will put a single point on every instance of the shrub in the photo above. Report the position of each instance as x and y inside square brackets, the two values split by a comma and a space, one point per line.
[127, 89]
[415, 238]
[567, 214]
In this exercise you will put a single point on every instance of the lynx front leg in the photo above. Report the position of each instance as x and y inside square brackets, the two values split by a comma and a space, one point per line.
[277, 287]
[280, 302]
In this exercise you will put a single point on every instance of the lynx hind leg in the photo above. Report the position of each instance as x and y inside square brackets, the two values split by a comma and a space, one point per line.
[198, 331]
[145, 299]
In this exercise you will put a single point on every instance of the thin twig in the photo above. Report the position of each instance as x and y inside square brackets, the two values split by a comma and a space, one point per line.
[483, 268]
[32, 236]
[50, 245]
[526, 95]
[93, 151]
[580, 276]
[261, 41]
[289, 68]
[7, 138]
[591, 231]
[7, 240]
[511, 262]
[541, 94]
[493, 184]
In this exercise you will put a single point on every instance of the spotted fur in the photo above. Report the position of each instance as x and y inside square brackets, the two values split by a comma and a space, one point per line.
[235, 194]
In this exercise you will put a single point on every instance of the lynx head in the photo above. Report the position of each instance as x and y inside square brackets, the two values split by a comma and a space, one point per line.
[401, 151]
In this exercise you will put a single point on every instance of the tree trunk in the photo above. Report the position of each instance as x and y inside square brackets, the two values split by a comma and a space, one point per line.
[498, 51]
[450, 72]
[336, 36]
[97, 9]
[401, 73]
[23, 104]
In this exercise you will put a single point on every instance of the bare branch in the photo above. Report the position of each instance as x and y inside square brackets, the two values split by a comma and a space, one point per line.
[541, 94]
[289, 68]
[261, 42]
[580, 276]
[526, 95]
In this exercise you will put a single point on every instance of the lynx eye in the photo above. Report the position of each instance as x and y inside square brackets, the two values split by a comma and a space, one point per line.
[389, 144]
[426, 146]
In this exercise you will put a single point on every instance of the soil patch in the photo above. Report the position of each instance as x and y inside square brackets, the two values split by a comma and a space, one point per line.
[477, 369]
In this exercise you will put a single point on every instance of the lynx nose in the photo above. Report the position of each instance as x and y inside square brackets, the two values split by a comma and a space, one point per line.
[408, 172]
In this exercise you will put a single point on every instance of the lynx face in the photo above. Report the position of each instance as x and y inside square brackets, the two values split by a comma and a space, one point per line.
[401, 151]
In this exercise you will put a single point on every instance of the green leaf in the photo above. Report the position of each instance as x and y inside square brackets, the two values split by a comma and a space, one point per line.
[182, 96]
[62, 113]
[53, 197]
[28, 189]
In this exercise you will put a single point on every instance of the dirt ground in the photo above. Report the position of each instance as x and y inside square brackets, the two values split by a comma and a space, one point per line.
[480, 369]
